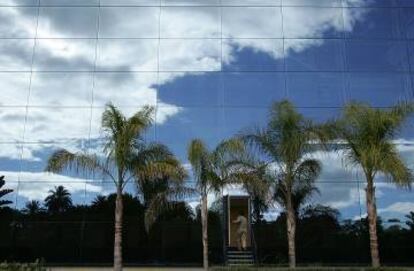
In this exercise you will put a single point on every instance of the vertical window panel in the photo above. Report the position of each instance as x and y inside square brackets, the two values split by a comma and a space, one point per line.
[312, 22]
[16, 54]
[127, 55]
[190, 55]
[67, 22]
[253, 55]
[379, 89]
[253, 89]
[190, 22]
[316, 89]
[129, 22]
[251, 22]
[61, 89]
[314, 55]
[376, 55]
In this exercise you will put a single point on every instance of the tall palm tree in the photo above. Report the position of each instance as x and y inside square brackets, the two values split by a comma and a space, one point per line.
[368, 134]
[212, 171]
[58, 200]
[285, 144]
[126, 155]
[4, 192]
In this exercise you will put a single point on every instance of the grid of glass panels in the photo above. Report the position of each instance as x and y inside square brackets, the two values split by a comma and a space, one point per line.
[210, 68]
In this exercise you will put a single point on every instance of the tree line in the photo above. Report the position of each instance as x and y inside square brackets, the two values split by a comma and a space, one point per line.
[274, 163]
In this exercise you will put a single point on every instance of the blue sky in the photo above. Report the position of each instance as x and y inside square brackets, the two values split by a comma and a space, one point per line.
[209, 70]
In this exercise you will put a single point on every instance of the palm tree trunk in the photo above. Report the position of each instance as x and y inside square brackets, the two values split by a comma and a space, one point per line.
[372, 220]
[118, 229]
[291, 231]
[204, 223]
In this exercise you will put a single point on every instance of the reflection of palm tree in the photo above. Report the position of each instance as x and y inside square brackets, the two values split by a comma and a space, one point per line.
[99, 202]
[368, 133]
[33, 207]
[211, 170]
[58, 200]
[4, 192]
[285, 142]
[125, 152]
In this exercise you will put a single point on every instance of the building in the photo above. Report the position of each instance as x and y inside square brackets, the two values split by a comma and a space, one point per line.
[210, 67]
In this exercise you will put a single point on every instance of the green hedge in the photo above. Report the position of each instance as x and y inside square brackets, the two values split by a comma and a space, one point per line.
[309, 269]
[36, 266]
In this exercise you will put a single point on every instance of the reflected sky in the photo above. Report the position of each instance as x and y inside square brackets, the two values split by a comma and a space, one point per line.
[211, 68]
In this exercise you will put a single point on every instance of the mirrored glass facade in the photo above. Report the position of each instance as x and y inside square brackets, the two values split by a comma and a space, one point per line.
[211, 68]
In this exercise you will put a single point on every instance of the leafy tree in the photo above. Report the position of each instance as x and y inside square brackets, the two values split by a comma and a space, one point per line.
[59, 200]
[284, 145]
[368, 134]
[4, 192]
[126, 156]
[33, 207]
[212, 171]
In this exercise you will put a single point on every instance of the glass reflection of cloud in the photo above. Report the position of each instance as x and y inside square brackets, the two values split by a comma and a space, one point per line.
[140, 58]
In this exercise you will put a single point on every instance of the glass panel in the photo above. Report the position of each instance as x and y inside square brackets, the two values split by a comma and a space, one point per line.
[251, 22]
[68, 22]
[314, 55]
[253, 89]
[405, 3]
[407, 22]
[136, 3]
[309, 22]
[253, 55]
[371, 3]
[128, 55]
[10, 161]
[16, 54]
[129, 22]
[190, 2]
[190, 90]
[241, 119]
[178, 130]
[313, 3]
[69, 2]
[190, 55]
[377, 23]
[364, 55]
[125, 89]
[26, 18]
[64, 55]
[52, 124]
[190, 22]
[12, 123]
[316, 89]
[379, 89]
[61, 89]
[251, 3]
[15, 87]
[14, 3]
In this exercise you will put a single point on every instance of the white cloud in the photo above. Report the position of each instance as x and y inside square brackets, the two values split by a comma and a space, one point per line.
[398, 207]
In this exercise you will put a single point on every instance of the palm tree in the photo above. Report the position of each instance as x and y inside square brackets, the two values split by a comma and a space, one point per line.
[126, 156]
[286, 143]
[33, 207]
[58, 200]
[4, 192]
[212, 171]
[368, 134]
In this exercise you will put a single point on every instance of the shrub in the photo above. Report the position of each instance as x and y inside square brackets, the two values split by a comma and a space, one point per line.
[36, 266]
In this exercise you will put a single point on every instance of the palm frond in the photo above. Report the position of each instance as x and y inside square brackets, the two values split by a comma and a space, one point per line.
[78, 162]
